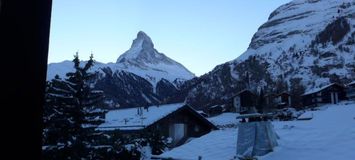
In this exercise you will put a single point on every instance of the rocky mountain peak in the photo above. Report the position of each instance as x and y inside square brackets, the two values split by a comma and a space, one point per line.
[142, 52]
[142, 41]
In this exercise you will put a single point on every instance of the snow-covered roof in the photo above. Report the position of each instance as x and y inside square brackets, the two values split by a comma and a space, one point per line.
[200, 112]
[315, 90]
[128, 119]
[214, 106]
[351, 83]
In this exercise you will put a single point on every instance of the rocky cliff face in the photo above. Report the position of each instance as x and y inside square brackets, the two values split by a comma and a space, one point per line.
[307, 42]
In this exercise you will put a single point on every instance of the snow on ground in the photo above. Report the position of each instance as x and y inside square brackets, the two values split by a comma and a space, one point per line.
[217, 145]
[225, 119]
[330, 135]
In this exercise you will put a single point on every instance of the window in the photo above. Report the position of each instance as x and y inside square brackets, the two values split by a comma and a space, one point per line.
[177, 131]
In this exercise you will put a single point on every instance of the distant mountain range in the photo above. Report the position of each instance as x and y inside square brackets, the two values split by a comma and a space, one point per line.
[304, 42]
[308, 43]
[141, 75]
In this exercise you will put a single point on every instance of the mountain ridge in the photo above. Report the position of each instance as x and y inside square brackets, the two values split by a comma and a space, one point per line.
[308, 43]
[141, 75]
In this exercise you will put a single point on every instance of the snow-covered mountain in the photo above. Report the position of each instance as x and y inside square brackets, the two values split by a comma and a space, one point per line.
[307, 43]
[140, 76]
[141, 59]
[304, 36]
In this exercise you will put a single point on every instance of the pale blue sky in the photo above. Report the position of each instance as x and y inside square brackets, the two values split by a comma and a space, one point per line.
[199, 34]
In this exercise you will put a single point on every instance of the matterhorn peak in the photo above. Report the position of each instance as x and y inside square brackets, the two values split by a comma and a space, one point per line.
[142, 52]
[143, 41]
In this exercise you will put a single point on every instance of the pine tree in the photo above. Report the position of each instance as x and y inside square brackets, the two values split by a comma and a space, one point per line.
[296, 91]
[71, 114]
[260, 106]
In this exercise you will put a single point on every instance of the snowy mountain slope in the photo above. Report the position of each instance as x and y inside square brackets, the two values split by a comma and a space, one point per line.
[329, 135]
[141, 75]
[303, 34]
[308, 43]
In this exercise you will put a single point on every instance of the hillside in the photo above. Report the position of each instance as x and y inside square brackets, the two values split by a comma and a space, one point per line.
[308, 43]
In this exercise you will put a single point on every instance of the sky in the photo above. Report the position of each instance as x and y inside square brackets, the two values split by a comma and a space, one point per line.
[199, 34]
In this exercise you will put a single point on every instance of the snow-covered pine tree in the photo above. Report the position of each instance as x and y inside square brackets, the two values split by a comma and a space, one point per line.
[71, 115]
[56, 122]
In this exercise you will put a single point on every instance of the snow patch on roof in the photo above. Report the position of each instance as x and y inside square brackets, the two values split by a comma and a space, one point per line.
[351, 83]
[314, 90]
[128, 119]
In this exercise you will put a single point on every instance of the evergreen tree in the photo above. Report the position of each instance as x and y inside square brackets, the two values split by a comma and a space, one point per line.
[71, 114]
[296, 90]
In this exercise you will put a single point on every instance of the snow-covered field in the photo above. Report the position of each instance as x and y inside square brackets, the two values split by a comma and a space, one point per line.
[330, 135]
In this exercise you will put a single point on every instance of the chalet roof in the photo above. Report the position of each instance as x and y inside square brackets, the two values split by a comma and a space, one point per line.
[351, 83]
[242, 91]
[215, 106]
[315, 90]
[128, 119]
[251, 115]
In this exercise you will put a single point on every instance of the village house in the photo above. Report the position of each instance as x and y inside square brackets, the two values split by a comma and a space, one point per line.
[350, 91]
[244, 101]
[269, 102]
[215, 110]
[331, 93]
[177, 121]
[283, 100]
[277, 101]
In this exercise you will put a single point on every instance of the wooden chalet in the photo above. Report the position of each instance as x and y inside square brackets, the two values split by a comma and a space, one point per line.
[270, 99]
[283, 100]
[350, 91]
[177, 121]
[215, 110]
[332, 93]
[244, 101]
